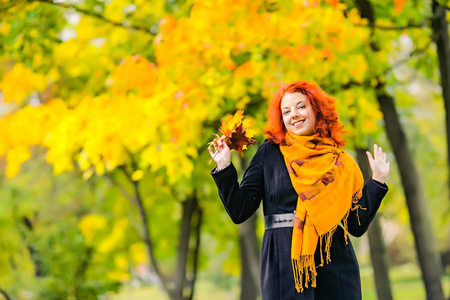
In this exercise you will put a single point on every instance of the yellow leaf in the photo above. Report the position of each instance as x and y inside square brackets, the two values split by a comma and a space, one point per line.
[116, 237]
[231, 123]
[20, 82]
[120, 261]
[139, 252]
[137, 175]
[114, 10]
[15, 157]
[118, 275]
[100, 168]
[5, 28]
[90, 225]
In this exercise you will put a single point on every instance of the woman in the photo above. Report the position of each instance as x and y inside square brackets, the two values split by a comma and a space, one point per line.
[308, 186]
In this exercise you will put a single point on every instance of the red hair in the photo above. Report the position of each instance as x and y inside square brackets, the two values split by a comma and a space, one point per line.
[323, 105]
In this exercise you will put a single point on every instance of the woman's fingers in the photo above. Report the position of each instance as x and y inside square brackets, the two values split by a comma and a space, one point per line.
[218, 144]
[377, 151]
[370, 158]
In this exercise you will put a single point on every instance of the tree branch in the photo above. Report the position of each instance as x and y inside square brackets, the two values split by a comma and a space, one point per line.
[367, 13]
[97, 16]
[411, 54]
[367, 82]
[7, 6]
[409, 26]
[196, 251]
[123, 191]
[146, 234]
[3, 292]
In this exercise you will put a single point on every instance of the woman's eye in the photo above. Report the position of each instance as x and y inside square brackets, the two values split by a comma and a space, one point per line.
[285, 112]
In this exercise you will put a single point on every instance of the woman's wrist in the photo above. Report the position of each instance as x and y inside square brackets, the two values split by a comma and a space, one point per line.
[220, 167]
[379, 178]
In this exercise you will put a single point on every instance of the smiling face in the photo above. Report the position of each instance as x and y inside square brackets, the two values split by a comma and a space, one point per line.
[298, 115]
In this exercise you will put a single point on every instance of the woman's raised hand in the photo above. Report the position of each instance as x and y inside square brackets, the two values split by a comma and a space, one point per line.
[221, 154]
[378, 164]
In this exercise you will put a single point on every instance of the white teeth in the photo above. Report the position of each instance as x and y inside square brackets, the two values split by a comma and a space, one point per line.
[297, 123]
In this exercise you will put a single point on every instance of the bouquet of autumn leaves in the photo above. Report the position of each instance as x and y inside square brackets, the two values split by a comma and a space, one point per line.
[237, 133]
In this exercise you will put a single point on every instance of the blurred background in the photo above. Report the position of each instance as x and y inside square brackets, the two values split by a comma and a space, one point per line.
[107, 108]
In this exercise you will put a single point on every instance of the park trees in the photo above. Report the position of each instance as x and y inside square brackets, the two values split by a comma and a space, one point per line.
[129, 93]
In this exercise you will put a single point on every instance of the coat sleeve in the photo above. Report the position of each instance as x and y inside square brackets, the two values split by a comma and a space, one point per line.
[359, 219]
[241, 201]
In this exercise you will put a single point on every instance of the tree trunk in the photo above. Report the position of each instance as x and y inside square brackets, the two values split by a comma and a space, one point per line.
[196, 250]
[183, 247]
[191, 210]
[80, 272]
[249, 259]
[440, 30]
[189, 206]
[419, 213]
[38, 270]
[378, 253]
[147, 238]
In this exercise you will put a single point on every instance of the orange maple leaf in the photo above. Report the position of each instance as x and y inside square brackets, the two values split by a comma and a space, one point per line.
[236, 134]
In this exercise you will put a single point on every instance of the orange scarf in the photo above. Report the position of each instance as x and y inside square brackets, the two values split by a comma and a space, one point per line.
[329, 184]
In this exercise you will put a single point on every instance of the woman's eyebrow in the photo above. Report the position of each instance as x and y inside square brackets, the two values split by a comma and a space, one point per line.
[299, 102]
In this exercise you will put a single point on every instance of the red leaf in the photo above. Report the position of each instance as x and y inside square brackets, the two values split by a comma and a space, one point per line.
[237, 139]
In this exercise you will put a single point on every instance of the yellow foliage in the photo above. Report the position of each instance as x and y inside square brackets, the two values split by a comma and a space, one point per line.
[90, 225]
[137, 175]
[90, 28]
[101, 132]
[118, 275]
[114, 10]
[154, 111]
[135, 72]
[20, 82]
[138, 253]
[231, 267]
[121, 261]
[16, 156]
[5, 28]
[116, 237]
[24, 128]
[359, 69]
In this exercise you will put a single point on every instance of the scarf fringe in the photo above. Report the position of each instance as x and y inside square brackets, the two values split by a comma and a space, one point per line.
[305, 265]
[355, 205]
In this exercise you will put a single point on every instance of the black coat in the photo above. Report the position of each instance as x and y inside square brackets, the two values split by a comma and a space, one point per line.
[267, 179]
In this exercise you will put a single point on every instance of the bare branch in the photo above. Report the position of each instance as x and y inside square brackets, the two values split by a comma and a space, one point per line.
[413, 53]
[123, 191]
[97, 16]
[367, 82]
[422, 24]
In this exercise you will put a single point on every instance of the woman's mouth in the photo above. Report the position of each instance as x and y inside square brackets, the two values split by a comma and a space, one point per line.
[297, 124]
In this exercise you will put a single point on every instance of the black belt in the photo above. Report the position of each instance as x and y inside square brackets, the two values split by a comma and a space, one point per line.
[279, 221]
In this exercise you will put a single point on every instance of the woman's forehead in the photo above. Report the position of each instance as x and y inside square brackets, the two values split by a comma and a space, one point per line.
[293, 98]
